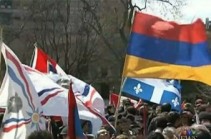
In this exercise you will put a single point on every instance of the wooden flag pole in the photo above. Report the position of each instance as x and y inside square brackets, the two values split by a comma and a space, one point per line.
[131, 18]
[119, 99]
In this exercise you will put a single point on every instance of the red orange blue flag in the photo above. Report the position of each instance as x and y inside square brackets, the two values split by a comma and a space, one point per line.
[161, 49]
[24, 113]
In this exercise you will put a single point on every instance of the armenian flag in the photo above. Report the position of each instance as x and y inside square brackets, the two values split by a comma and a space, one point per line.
[162, 49]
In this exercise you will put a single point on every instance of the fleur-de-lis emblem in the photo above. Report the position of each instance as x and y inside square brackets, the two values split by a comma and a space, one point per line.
[138, 88]
[175, 101]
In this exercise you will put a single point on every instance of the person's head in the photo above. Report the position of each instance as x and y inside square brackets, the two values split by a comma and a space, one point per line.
[160, 122]
[124, 125]
[126, 103]
[103, 134]
[198, 102]
[205, 118]
[173, 118]
[122, 137]
[201, 132]
[131, 118]
[189, 107]
[131, 110]
[186, 118]
[110, 109]
[166, 107]
[40, 135]
[169, 133]
[158, 109]
[86, 125]
[155, 135]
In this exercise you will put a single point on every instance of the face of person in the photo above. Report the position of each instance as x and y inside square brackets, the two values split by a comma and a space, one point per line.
[112, 110]
[104, 135]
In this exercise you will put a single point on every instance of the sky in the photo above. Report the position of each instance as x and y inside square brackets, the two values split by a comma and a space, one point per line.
[193, 10]
[196, 9]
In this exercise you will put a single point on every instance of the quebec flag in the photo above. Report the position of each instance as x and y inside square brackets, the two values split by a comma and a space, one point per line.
[154, 90]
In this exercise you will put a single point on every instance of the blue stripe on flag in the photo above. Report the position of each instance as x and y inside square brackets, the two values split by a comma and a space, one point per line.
[171, 52]
[46, 90]
[16, 80]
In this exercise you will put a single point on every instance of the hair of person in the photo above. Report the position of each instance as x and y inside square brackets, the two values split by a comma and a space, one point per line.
[169, 132]
[155, 135]
[166, 107]
[161, 122]
[122, 137]
[173, 117]
[131, 110]
[40, 135]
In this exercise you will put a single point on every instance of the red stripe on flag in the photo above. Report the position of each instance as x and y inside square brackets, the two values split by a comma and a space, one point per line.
[8, 129]
[43, 102]
[71, 114]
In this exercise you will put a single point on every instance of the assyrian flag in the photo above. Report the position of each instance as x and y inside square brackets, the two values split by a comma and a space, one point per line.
[88, 94]
[51, 94]
[24, 112]
[154, 90]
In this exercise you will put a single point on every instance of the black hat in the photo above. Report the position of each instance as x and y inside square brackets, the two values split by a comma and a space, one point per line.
[205, 116]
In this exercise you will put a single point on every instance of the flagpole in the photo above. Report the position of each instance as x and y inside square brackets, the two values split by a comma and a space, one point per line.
[119, 99]
[123, 78]
[1, 42]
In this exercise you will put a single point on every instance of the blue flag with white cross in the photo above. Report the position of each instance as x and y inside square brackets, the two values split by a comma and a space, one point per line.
[158, 91]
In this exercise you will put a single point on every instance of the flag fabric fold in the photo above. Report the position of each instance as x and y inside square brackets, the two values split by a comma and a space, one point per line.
[154, 90]
[87, 93]
[161, 49]
[24, 113]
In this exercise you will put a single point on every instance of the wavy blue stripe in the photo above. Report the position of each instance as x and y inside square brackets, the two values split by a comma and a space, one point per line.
[168, 51]
[46, 90]
[15, 120]
[15, 79]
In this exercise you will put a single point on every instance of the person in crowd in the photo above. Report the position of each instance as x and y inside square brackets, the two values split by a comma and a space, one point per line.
[124, 126]
[155, 135]
[40, 135]
[103, 134]
[86, 126]
[122, 136]
[187, 115]
[160, 121]
[201, 132]
[173, 119]
[205, 119]
[169, 133]
[110, 111]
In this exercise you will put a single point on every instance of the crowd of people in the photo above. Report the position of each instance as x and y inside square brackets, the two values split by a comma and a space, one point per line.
[146, 121]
